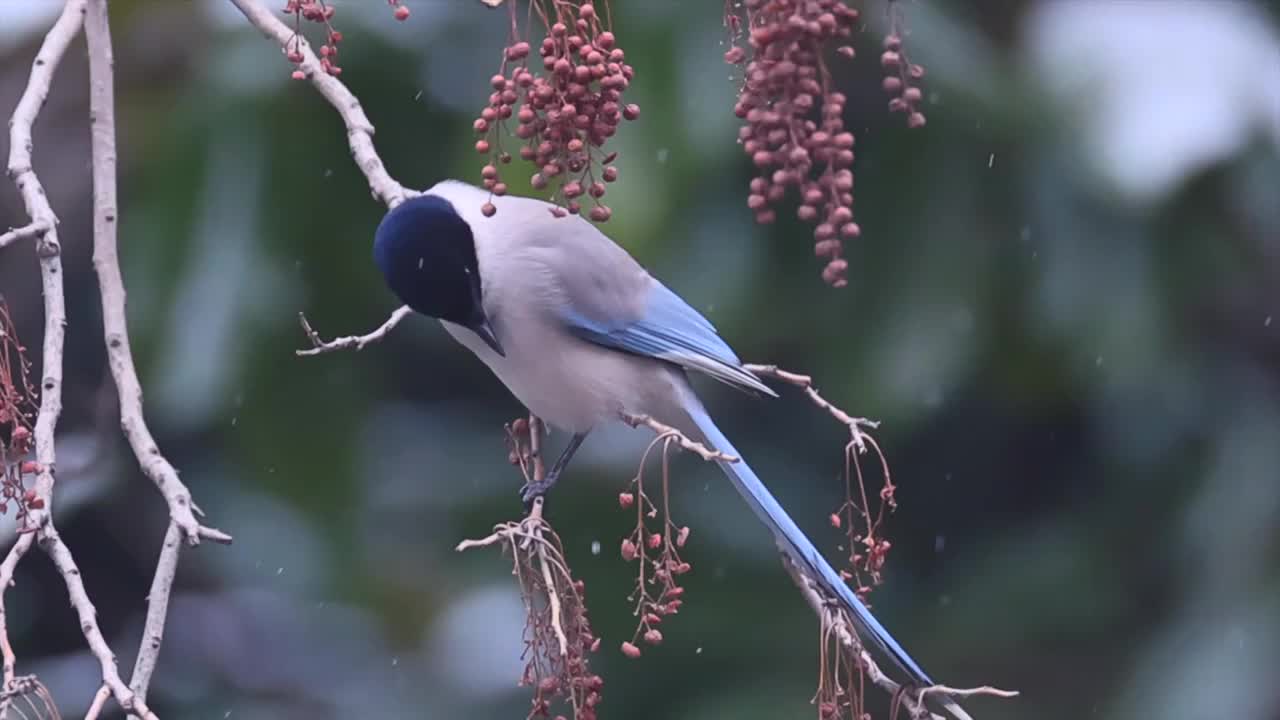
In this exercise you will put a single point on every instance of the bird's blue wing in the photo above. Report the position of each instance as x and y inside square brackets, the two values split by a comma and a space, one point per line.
[668, 329]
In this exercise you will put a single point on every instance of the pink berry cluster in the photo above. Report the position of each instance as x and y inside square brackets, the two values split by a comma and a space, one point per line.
[320, 12]
[795, 133]
[901, 81]
[565, 111]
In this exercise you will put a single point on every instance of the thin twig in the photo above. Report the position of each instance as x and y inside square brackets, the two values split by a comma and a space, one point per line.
[319, 346]
[805, 383]
[107, 264]
[359, 129]
[35, 228]
[667, 432]
[966, 692]
[99, 701]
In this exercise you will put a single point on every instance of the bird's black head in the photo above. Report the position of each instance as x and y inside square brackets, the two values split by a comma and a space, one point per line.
[427, 254]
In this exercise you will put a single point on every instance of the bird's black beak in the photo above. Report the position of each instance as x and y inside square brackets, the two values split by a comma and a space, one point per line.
[482, 328]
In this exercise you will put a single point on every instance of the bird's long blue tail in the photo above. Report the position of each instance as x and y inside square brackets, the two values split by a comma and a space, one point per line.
[798, 546]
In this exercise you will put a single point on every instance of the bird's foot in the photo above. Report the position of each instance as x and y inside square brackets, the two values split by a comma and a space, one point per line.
[534, 490]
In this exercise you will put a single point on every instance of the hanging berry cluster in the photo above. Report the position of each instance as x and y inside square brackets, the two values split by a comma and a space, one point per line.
[321, 13]
[565, 110]
[17, 404]
[795, 133]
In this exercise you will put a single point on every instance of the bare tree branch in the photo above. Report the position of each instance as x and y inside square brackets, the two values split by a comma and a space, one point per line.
[57, 550]
[805, 383]
[100, 699]
[359, 129]
[10, 564]
[107, 264]
[48, 248]
[35, 228]
[157, 611]
[319, 346]
[182, 511]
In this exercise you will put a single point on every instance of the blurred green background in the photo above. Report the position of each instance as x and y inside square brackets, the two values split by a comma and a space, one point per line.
[1062, 309]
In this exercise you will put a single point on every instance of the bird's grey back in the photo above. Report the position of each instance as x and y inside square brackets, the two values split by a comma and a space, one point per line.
[558, 263]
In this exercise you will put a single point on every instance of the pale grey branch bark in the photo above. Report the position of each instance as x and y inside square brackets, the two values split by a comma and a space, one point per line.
[107, 264]
[57, 550]
[320, 346]
[10, 564]
[182, 511]
[35, 228]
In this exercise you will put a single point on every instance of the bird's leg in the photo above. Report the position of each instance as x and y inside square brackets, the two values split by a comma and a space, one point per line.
[539, 488]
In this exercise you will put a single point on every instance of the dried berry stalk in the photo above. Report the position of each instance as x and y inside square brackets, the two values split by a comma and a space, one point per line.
[17, 406]
[656, 551]
[565, 111]
[795, 132]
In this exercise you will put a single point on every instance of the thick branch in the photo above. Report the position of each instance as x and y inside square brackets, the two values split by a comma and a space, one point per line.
[107, 264]
[100, 699]
[57, 550]
[35, 228]
[48, 249]
[157, 611]
[10, 564]
[359, 129]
